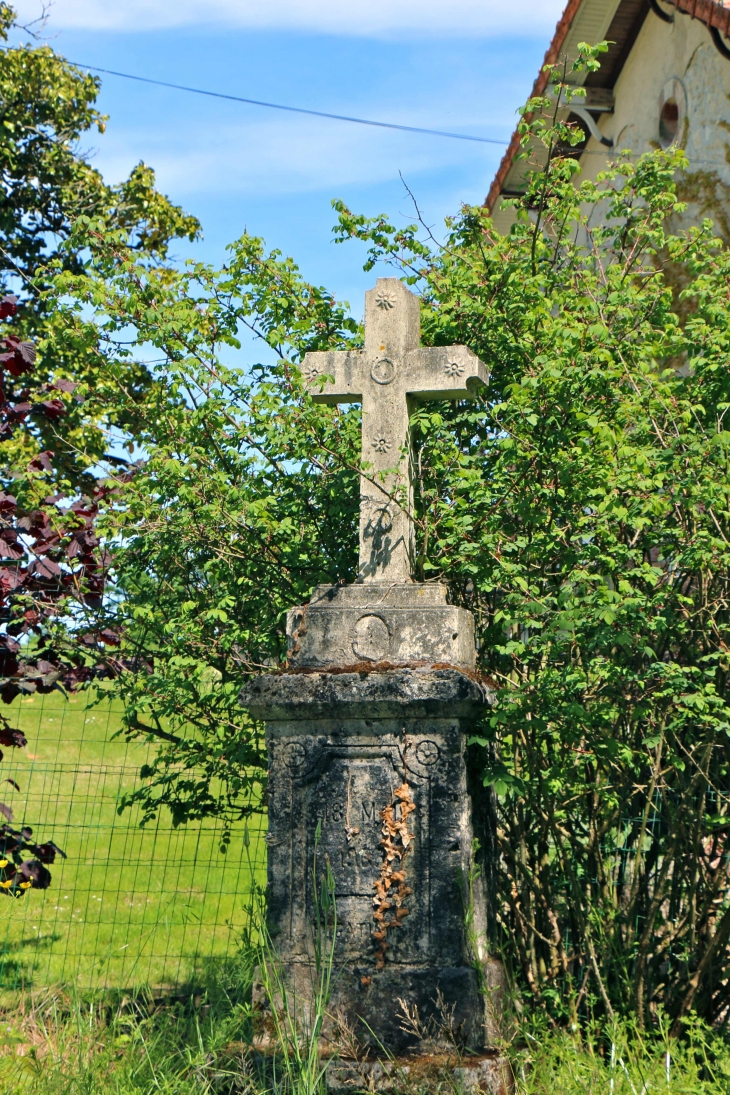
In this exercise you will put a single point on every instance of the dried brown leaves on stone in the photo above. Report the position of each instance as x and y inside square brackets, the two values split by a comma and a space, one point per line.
[390, 888]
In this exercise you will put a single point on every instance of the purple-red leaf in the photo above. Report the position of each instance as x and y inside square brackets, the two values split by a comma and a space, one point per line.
[38, 875]
[53, 408]
[19, 356]
[8, 547]
[65, 386]
[47, 852]
[42, 462]
[12, 579]
[46, 568]
[8, 306]
[16, 738]
[40, 547]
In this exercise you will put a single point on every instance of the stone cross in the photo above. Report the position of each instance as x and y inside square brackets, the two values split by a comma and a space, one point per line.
[366, 737]
[387, 376]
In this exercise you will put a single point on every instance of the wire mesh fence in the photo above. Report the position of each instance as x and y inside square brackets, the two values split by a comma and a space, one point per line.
[129, 907]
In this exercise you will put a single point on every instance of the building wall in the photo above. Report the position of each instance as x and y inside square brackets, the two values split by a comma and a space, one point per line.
[676, 60]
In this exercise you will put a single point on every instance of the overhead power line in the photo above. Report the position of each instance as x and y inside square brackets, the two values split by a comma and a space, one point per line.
[292, 109]
[336, 117]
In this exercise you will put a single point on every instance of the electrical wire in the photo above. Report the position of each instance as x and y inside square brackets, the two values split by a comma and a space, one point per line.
[335, 117]
[292, 109]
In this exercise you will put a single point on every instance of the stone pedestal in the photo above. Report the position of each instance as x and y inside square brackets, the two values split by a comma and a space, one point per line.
[380, 621]
[366, 737]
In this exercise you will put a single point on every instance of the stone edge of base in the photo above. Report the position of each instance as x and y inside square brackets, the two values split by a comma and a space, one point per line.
[375, 691]
[487, 1072]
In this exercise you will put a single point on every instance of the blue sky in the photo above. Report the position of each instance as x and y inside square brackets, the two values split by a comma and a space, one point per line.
[447, 64]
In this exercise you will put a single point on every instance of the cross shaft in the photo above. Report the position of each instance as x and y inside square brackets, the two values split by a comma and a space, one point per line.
[386, 376]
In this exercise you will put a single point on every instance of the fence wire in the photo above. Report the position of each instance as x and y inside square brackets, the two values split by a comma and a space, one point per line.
[129, 907]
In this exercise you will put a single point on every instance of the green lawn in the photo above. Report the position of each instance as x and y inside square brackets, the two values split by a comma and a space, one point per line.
[130, 906]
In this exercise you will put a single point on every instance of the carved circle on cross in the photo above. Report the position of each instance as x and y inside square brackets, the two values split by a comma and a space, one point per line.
[383, 371]
[382, 519]
[371, 638]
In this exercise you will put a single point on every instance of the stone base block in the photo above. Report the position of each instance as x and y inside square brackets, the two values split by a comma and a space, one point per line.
[399, 1007]
[378, 621]
[368, 776]
[406, 692]
[487, 1073]
[440, 1072]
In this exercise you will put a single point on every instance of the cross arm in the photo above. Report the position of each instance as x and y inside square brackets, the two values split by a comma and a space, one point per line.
[343, 365]
[444, 372]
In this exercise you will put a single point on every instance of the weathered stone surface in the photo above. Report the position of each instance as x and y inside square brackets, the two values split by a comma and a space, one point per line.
[413, 692]
[380, 621]
[386, 376]
[344, 748]
[366, 736]
[488, 1073]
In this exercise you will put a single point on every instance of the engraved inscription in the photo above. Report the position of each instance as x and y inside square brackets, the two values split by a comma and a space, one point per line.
[383, 371]
[332, 813]
[311, 372]
[337, 812]
[382, 443]
[368, 811]
[350, 786]
[351, 858]
[354, 935]
[427, 753]
[372, 638]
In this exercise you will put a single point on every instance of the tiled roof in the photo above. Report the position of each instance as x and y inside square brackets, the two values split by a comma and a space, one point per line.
[713, 13]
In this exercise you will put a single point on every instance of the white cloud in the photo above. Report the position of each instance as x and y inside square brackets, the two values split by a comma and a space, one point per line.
[371, 18]
[279, 156]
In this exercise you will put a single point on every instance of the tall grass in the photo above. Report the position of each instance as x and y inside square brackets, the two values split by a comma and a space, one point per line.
[296, 1065]
[70, 1041]
[623, 1060]
[66, 1043]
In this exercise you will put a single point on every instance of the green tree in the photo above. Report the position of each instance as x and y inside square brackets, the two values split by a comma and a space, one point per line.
[249, 495]
[580, 510]
[61, 412]
[46, 182]
[59, 406]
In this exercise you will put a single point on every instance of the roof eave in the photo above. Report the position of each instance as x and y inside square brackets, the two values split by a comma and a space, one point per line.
[709, 12]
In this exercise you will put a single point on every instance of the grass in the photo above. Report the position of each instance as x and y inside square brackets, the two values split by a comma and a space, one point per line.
[66, 1043]
[129, 907]
[132, 912]
[622, 1060]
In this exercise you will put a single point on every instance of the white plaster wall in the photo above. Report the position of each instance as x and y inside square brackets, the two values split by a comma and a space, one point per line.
[683, 51]
[662, 52]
